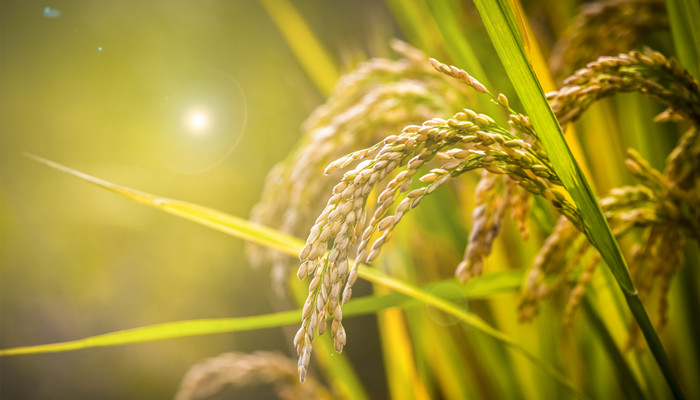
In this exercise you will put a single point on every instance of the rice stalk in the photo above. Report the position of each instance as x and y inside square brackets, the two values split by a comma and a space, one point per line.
[464, 142]
[470, 141]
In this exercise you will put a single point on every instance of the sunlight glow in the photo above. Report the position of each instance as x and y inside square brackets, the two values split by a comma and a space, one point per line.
[197, 121]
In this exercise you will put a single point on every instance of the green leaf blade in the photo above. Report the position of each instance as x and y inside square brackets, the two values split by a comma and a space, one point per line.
[164, 331]
[487, 285]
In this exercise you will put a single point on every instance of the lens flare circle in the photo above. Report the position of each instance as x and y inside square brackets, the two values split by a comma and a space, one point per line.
[454, 293]
[204, 115]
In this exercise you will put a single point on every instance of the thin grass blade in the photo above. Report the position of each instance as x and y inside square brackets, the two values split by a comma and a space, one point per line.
[411, 17]
[684, 16]
[313, 57]
[211, 218]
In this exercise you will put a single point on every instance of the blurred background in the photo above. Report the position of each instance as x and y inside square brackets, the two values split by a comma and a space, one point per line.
[188, 100]
[197, 101]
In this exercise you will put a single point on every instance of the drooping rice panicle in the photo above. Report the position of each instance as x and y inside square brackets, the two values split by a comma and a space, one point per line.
[520, 207]
[380, 96]
[664, 211]
[464, 142]
[647, 72]
[487, 218]
[603, 28]
[580, 287]
[546, 271]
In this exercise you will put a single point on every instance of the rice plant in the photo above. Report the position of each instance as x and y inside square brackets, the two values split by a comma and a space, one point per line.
[512, 225]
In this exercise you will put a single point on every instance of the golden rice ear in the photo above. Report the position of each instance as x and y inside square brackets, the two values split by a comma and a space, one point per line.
[520, 207]
[647, 72]
[238, 370]
[576, 295]
[604, 28]
[380, 96]
[462, 75]
[546, 272]
[682, 169]
[489, 208]
[449, 147]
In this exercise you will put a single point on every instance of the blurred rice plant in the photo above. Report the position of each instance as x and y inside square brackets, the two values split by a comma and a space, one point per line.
[565, 330]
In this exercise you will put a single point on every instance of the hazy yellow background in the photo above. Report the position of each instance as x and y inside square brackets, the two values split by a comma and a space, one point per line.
[105, 87]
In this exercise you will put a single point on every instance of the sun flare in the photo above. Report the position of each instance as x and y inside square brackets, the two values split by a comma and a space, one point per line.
[198, 121]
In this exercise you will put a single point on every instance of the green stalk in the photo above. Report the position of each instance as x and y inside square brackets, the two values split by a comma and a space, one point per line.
[502, 26]
[684, 16]
[317, 62]
[411, 18]
[627, 377]
[688, 303]
[447, 20]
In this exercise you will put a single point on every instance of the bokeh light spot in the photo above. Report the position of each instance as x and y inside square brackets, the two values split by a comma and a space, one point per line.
[51, 12]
